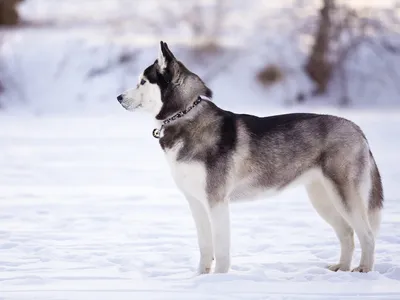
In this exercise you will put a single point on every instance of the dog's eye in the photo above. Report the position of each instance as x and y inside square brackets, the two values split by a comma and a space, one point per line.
[142, 81]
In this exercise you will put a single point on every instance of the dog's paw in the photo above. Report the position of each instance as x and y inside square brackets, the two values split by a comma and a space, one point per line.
[338, 267]
[204, 266]
[362, 269]
[222, 265]
[203, 270]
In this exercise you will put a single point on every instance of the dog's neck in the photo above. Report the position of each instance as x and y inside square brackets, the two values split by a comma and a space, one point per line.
[157, 132]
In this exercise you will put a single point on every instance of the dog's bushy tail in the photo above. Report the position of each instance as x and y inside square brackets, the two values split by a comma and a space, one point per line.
[375, 203]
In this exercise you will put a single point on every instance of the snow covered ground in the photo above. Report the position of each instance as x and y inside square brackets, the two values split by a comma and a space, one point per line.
[88, 211]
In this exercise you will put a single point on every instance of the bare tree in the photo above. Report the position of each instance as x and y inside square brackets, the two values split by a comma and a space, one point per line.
[341, 32]
[8, 12]
[318, 67]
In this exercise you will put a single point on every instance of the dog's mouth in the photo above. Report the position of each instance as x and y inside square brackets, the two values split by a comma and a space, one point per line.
[130, 107]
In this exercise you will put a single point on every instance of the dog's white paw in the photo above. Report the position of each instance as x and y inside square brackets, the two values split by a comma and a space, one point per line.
[339, 267]
[222, 265]
[204, 266]
[203, 270]
[362, 269]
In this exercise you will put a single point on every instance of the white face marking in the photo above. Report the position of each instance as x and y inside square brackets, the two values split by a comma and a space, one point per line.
[146, 96]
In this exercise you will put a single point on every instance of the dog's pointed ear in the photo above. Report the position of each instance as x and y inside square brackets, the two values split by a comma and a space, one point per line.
[165, 56]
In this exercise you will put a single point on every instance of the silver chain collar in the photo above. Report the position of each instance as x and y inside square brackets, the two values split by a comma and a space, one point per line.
[157, 131]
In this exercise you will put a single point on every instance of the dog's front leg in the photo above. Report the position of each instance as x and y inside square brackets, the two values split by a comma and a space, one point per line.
[201, 218]
[220, 222]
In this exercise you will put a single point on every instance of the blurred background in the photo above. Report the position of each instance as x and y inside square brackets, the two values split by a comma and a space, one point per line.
[77, 55]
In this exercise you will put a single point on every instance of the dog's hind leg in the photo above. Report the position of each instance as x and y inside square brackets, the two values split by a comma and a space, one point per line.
[323, 204]
[201, 218]
[351, 205]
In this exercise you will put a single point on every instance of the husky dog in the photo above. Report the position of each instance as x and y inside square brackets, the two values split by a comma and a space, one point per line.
[218, 157]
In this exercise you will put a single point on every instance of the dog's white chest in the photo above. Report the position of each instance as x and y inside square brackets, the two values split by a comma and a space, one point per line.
[190, 177]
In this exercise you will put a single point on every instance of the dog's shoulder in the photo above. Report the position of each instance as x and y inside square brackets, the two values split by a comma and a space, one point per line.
[211, 133]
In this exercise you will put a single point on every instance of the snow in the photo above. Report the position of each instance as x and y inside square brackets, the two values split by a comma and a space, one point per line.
[88, 210]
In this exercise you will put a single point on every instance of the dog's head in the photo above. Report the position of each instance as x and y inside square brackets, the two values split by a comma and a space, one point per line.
[165, 87]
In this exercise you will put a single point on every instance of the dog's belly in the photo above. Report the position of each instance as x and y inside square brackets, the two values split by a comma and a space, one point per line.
[249, 194]
[247, 189]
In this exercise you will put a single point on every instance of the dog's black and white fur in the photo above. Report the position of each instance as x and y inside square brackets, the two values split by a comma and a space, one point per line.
[218, 157]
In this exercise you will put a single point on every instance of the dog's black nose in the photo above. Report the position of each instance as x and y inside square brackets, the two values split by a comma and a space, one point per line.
[119, 98]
